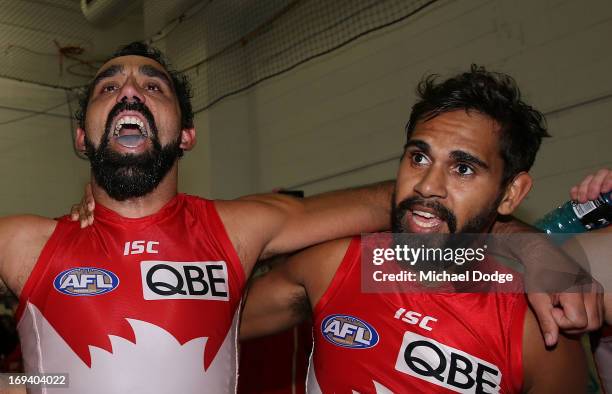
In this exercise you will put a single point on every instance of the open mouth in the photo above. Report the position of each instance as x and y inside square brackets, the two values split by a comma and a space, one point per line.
[425, 221]
[130, 131]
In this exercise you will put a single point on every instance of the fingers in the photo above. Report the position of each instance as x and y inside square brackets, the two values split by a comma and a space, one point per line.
[543, 308]
[593, 302]
[583, 188]
[571, 315]
[89, 198]
[592, 186]
[86, 215]
[574, 193]
[74, 212]
[84, 212]
[607, 183]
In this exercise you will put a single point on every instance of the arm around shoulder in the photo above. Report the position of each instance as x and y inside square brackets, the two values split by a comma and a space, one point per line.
[275, 224]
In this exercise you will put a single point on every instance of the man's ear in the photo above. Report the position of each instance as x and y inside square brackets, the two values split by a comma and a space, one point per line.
[79, 142]
[188, 139]
[515, 192]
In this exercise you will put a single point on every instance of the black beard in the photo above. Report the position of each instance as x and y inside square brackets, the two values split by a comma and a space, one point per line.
[398, 212]
[478, 224]
[125, 176]
[471, 230]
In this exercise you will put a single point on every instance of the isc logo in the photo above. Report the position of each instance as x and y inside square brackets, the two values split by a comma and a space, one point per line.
[163, 280]
[349, 331]
[416, 318]
[446, 366]
[86, 281]
[140, 247]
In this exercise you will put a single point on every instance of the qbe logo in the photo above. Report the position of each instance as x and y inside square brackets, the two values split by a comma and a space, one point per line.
[85, 281]
[349, 331]
[446, 366]
[163, 280]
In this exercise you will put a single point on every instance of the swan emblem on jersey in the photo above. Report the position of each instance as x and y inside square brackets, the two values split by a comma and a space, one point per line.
[154, 362]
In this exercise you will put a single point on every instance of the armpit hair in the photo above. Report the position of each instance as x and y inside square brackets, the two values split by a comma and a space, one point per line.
[300, 305]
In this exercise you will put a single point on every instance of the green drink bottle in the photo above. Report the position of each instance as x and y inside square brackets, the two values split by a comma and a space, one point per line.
[573, 217]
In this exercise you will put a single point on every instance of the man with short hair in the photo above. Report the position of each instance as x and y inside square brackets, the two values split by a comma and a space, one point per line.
[471, 141]
[146, 299]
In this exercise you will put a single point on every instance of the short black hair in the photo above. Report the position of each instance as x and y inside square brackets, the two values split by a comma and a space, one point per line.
[495, 95]
[180, 83]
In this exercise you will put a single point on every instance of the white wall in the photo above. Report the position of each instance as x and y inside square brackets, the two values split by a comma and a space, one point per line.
[338, 120]
[39, 170]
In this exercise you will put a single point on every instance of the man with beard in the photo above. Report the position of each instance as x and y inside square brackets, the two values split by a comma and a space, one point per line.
[146, 299]
[471, 141]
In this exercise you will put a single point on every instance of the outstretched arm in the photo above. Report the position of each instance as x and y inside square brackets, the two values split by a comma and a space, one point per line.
[265, 225]
[270, 224]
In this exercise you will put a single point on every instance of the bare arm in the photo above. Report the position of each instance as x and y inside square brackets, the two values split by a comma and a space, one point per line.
[593, 250]
[550, 273]
[265, 225]
[561, 369]
[286, 295]
[275, 301]
[21, 240]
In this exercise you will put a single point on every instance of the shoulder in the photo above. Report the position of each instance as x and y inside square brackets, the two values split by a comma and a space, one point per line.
[258, 207]
[324, 255]
[26, 226]
[317, 266]
[252, 222]
[21, 240]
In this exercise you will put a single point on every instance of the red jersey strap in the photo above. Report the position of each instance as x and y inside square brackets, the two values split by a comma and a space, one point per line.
[342, 273]
[215, 222]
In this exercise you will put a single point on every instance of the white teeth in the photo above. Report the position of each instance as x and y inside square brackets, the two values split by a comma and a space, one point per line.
[129, 120]
[425, 214]
[423, 223]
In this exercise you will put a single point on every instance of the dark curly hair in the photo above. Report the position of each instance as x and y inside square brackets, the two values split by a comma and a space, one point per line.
[495, 95]
[180, 83]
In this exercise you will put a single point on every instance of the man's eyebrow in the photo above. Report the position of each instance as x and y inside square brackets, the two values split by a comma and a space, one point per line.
[151, 71]
[107, 73]
[420, 144]
[459, 155]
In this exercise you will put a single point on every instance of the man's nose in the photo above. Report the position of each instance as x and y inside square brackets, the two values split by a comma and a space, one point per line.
[131, 92]
[432, 183]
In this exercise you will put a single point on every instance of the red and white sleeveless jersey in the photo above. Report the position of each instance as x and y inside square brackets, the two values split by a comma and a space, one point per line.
[414, 342]
[147, 305]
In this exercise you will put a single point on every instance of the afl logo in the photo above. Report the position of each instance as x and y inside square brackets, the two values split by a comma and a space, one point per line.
[86, 281]
[349, 331]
